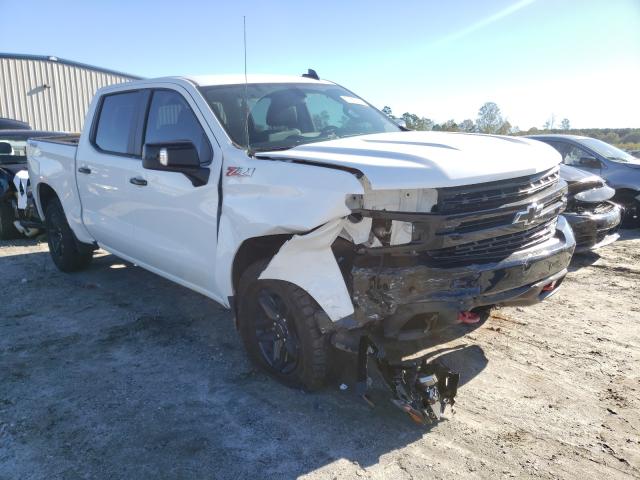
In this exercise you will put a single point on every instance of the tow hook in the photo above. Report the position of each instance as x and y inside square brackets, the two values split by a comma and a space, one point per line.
[421, 389]
[468, 317]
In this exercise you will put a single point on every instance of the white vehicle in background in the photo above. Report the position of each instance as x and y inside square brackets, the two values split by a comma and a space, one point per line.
[318, 220]
[17, 211]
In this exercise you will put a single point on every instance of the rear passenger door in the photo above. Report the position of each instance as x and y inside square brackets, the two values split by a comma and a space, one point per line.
[175, 221]
[105, 165]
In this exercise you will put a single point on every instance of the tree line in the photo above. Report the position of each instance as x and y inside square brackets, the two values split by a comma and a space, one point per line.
[490, 120]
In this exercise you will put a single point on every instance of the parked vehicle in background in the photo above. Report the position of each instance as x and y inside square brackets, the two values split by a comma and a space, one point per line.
[620, 170]
[593, 217]
[11, 124]
[312, 215]
[17, 211]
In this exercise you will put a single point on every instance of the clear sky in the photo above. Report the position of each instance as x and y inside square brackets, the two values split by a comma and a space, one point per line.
[578, 59]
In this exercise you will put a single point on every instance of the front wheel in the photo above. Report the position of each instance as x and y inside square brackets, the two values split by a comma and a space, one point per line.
[66, 251]
[277, 323]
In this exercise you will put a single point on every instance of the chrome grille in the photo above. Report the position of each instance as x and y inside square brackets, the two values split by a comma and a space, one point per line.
[490, 195]
[493, 249]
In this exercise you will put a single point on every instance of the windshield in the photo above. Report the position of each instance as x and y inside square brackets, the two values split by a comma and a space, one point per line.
[12, 151]
[285, 115]
[609, 151]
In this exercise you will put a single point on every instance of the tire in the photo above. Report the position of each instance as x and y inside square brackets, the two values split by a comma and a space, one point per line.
[7, 228]
[273, 312]
[66, 251]
[631, 214]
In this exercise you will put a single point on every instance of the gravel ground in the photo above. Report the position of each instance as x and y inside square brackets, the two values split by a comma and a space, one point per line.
[117, 373]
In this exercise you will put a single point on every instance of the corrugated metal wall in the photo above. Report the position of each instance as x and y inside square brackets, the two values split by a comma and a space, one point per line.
[49, 95]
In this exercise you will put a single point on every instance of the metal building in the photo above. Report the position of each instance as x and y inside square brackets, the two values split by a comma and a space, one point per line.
[50, 93]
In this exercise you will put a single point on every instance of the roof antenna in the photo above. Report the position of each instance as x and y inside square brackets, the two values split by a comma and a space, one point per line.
[311, 73]
[246, 88]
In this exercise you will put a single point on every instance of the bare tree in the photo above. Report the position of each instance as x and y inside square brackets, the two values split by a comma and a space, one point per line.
[550, 123]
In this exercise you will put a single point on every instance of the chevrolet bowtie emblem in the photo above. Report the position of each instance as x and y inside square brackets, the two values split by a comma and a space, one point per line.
[529, 215]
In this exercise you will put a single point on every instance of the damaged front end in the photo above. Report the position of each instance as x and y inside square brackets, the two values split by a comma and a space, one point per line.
[414, 262]
[15, 191]
[493, 243]
[593, 217]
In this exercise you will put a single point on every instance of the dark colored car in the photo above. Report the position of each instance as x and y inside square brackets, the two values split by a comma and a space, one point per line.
[593, 217]
[11, 124]
[17, 213]
[619, 169]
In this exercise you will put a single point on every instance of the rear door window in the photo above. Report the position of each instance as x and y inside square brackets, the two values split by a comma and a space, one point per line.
[172, 120]
[118, 122]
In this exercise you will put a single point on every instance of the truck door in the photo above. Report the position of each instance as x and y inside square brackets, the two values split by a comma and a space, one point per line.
[106, 162]
[176, 222]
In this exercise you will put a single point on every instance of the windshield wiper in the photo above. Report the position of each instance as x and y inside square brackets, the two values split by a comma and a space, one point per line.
[273, 149]
[306, 141]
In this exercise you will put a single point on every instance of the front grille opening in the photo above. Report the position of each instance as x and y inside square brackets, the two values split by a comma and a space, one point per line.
[489, 195]
[595, 208]
[493, 249]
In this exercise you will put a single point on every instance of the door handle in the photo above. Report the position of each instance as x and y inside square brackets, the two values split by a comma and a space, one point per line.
[85, 170]
[138, 181]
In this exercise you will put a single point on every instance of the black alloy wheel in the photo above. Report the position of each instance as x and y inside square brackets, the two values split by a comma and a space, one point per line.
[278, 323]
[275, 332]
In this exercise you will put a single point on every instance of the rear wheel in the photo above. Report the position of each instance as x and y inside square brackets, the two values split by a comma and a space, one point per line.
[277, 323]
[67, 252]
[7, 228]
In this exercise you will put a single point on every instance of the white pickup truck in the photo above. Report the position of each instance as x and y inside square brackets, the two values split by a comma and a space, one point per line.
[319, 221]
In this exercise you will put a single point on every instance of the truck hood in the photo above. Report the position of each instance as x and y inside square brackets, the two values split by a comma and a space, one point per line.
[405, 160]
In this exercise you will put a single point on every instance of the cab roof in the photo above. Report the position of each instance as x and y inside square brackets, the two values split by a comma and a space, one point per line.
[238, 79]
[557, 135]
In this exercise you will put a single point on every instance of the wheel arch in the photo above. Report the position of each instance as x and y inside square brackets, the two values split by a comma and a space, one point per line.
[46, 194]
[624, 192]
[252, 250]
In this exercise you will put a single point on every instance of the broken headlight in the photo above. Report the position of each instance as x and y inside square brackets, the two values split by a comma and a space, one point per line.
[420, 200]
[387, 232]
[391, 232]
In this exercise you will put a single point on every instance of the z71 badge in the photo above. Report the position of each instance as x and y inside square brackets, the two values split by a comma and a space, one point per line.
[240, 172]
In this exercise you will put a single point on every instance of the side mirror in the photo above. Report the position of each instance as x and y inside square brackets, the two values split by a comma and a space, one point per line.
[401, 122]
[180, 156]
[173, 156]
[590, 162]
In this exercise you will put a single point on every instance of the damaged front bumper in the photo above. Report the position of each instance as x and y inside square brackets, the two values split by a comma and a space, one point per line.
[410, 302]
[596, 228]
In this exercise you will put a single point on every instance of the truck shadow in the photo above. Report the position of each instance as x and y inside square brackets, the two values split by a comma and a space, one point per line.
[155, 375]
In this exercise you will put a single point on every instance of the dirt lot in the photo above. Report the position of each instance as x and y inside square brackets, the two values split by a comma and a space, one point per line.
[117, 373]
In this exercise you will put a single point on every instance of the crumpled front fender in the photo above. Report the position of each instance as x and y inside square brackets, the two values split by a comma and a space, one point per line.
[308, 261]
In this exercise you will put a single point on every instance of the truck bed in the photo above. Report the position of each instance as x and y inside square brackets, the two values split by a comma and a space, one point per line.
[53, 160]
